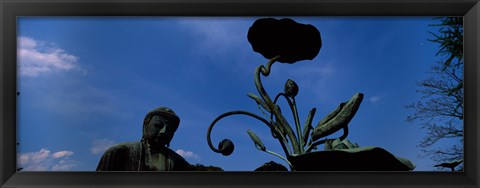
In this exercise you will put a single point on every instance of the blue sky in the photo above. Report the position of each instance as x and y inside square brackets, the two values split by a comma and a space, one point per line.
[86, 84]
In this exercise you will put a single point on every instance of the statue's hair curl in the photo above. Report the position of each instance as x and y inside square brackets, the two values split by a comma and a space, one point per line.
[164, 112]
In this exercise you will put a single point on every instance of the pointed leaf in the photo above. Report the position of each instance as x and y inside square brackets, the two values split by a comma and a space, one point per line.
[258, 143]
[340, 119]
[308, 126]
[356, 145]
[331, 115]
[328, 144]
[259, 101]
[348, 143]
[337, 144]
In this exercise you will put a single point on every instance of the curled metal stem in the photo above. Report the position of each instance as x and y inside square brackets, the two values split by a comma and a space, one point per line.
[265, 71]
[272, 127]
[297, 123]
[293, 107]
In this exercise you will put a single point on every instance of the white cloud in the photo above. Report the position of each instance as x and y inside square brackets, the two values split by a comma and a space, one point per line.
[99, 146]
[374, 99]
[44, 161]
[27, 43]
[188, 154]
[23, 159]
[64, 165]
[39, 156]
[36, 58]
[62, 154]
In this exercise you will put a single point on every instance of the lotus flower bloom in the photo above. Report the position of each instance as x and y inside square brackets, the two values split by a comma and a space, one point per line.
[286, 38]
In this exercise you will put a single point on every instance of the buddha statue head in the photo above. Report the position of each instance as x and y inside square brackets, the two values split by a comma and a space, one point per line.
[159, 126]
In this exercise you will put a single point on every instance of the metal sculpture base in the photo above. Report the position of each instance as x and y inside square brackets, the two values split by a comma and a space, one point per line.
[357, 159]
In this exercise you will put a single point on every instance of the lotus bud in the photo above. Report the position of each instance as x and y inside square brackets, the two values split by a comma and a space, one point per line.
[291, 88]
[226, 147]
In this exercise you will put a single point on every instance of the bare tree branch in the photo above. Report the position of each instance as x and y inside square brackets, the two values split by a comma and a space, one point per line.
[440, 111]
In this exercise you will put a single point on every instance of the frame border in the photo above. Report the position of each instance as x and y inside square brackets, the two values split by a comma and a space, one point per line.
[11, 9]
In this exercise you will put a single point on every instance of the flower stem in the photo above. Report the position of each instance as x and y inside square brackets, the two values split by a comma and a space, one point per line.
[272, 127]
[297, 123]
[265, 71]
[293, 107]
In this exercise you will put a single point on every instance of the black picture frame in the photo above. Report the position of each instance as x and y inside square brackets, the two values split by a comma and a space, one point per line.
[11, 9]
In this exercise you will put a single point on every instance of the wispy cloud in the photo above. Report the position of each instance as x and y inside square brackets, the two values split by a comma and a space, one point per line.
[188, 154]
[43, 160]
[374, 99]
[61, 154]
[319, 78]
[99, 146]
[64, 165]
[316, 70]
[71, 98]
[216, 36]
[37, 58]
[217, 40]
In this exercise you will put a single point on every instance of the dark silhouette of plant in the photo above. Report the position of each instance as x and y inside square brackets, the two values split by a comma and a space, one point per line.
[287, 41]
[440, 111]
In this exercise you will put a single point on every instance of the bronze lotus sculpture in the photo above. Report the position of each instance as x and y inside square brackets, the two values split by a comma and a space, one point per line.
[287, 41]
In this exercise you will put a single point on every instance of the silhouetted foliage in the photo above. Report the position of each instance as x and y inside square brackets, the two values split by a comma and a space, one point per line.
[450, 165]
[440, 112]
